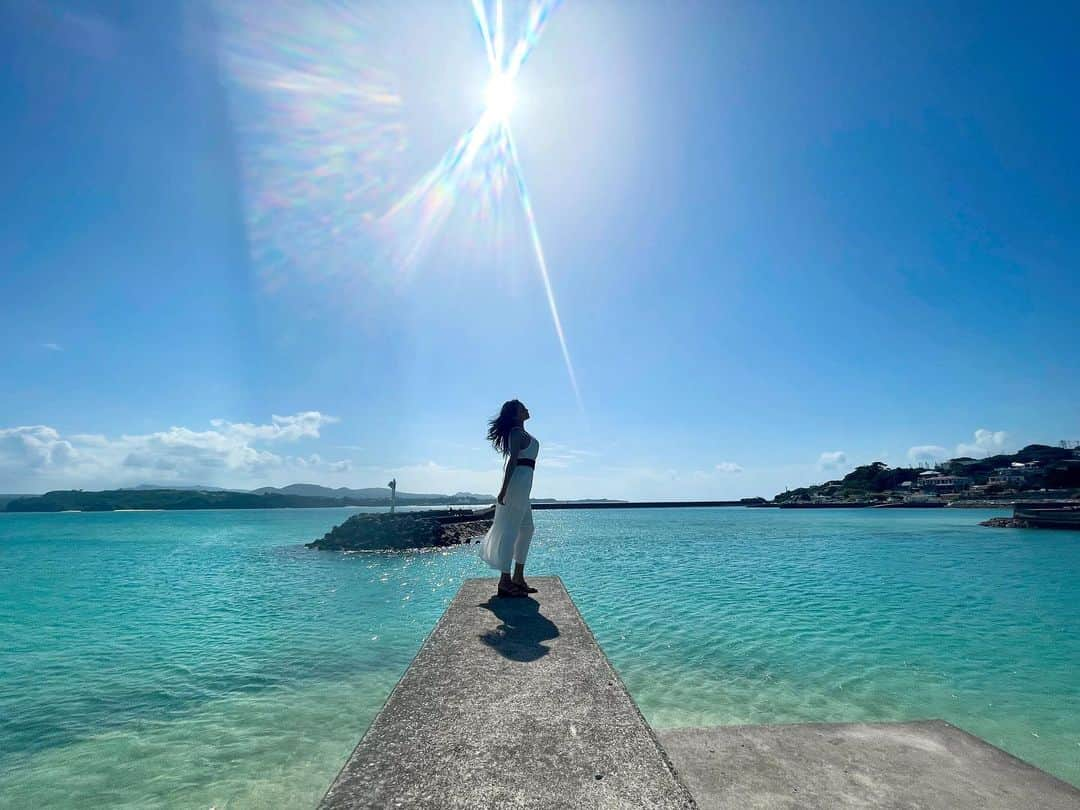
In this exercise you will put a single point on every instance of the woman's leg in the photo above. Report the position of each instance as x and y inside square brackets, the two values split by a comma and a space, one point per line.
[519, 576]
[505, 582]
[521, 547]
[493, 548]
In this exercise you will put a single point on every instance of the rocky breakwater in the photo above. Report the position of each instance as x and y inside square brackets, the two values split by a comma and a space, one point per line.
[1005, 523]
[406, 530]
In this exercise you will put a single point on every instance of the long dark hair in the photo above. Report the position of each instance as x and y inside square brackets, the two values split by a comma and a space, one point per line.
[499, 428]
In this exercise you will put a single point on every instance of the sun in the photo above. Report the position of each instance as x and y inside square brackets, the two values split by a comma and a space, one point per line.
[499, 97]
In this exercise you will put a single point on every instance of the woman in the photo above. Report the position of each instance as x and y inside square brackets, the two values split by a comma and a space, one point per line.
[507, 541]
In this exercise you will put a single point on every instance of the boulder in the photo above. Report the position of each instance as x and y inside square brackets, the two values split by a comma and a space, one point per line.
[406, 530]
[1005, 523]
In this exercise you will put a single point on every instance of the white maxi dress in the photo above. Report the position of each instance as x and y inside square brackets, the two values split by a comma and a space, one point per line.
[507, 541]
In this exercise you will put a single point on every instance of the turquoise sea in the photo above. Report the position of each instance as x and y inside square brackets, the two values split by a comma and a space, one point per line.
[207, 659]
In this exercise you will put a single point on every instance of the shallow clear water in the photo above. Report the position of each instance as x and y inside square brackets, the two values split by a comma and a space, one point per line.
[206, 659]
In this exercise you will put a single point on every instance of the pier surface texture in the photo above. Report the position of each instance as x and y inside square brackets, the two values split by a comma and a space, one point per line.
[509, 703]
[926, 764]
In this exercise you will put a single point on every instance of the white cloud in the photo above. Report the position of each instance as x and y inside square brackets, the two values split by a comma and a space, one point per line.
[52, 347]
[34, 447]
[926, 454]
[297, 426]
[562, 456]
[830, 460]
[38, 456]
[729, 467]
[316, 462]
[89, 439]
[987, 442]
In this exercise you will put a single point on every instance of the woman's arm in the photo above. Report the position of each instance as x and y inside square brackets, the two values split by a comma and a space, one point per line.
[511, 461]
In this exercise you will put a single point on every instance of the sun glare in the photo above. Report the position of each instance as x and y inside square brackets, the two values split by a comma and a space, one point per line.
[499, 97]
[486, 151]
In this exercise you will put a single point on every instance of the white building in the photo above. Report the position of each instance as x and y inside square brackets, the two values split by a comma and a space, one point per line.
[945, 483]
[1016, 474]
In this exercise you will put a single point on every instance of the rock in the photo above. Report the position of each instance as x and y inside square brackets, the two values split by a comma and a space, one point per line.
[1005, 523]
[406, 530]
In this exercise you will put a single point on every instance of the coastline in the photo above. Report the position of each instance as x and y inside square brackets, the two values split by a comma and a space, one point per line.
[541, 507]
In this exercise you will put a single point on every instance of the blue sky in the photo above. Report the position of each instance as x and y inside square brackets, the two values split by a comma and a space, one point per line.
[780, 243]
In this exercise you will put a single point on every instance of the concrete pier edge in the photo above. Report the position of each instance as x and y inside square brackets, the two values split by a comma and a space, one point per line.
[389, 697]
[637, 710]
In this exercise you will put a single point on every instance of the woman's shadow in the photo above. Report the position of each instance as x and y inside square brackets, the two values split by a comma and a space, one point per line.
[522, 628]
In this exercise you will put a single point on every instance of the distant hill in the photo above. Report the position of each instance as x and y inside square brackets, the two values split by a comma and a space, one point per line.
[186, 487]
[113, 499]
[317, 491]
[1058, 467]
[6, 499]
[1044, 455]
[367, 493]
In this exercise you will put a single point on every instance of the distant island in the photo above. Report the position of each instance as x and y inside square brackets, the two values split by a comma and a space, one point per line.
[294, 496]
[1037, 471]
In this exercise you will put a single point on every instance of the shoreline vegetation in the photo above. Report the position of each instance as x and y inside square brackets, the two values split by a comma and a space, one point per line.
[1037, 472]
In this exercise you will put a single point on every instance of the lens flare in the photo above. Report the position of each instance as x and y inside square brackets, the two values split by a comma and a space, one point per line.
[319, 135]
[499, 97]
[541, 262]
[486, 151]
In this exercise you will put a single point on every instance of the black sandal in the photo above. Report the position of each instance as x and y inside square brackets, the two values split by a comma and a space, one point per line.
[516, 593]
[526, 588]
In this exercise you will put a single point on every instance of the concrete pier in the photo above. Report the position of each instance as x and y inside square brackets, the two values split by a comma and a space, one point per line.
[509, 703]
[833, 766]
